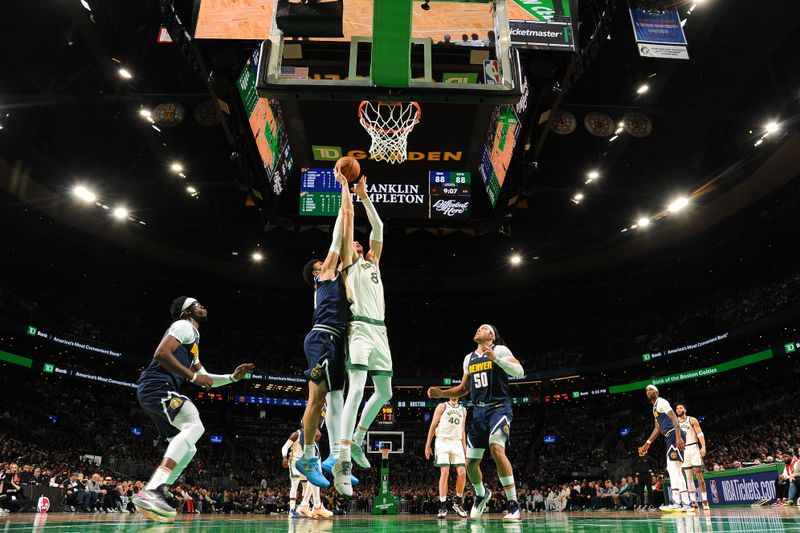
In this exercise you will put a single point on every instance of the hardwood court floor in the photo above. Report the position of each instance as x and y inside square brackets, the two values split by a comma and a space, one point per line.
[742, 519]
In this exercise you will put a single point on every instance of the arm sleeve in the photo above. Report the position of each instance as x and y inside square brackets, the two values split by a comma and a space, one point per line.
[503, 360]
[220, 380]
[374, 220]
[286, 447]
[466, 363]
[182, 330]
[336, 241]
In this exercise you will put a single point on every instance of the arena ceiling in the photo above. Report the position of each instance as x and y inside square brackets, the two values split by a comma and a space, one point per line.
[69, 117]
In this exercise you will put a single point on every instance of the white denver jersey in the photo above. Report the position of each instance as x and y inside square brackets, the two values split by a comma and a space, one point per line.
[365, 279]
[686, 426]
[451, 423]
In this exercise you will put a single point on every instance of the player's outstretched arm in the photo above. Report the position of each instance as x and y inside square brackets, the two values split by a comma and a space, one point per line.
[653, 435]
[220, 380]
[376, 234]
[700, 436]
[453, 392]
[437, 415]
[348, 254]
[329, 266]
[166, 358]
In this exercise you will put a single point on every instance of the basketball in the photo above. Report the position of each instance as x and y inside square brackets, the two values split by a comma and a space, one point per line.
[350, 167]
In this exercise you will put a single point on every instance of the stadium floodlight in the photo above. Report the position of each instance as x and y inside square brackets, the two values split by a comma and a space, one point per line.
[643, 88]
[146, 113]
[643, 222]
[84, 194]
[191, 190]
[121, 213]
[257, 257]
[516, 259]
[678, 204]
[772, 127]
[176, 167]
[125, 73]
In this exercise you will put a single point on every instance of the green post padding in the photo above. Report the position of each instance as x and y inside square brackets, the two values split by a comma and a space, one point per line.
[385, 502]
[391, 43]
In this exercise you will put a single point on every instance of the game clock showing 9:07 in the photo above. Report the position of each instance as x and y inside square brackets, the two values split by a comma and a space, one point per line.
[450, 194]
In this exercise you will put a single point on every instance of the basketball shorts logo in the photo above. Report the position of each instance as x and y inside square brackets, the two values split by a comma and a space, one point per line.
[175, 403]
[505, 429]
[316, 373]
[673, 455]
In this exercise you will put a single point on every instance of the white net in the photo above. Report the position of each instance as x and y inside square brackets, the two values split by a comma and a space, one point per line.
[388, 125]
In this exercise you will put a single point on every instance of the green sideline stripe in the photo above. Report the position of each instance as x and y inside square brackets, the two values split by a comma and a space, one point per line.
[16, 359]
[695, 374]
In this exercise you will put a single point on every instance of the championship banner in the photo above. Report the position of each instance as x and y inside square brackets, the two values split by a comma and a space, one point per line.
[743, 486]
[549, 25]
[657, 29]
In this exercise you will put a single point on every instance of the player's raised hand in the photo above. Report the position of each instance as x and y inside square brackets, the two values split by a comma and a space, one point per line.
[488, 352]
[642, 451]
[241, 370]
[361, 188]
[339, 177]
[435, 392]
[428, 452]
[204, 382]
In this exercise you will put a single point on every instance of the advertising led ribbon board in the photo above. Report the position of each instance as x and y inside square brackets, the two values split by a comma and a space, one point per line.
[498, 150]
[548, 25]
[445, 194]
[266, 125]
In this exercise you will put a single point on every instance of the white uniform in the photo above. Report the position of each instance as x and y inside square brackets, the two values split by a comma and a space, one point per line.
[295, 453]
[691, 455]
[368, 344]
[449, 448]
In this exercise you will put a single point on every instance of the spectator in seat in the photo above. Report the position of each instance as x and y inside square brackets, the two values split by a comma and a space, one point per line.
[75, 493]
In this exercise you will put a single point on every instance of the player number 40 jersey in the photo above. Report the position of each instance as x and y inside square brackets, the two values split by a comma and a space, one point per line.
[451, 423]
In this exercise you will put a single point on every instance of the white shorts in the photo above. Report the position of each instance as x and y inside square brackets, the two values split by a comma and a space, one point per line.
[449, 452]
[368, 348]
[691, 457]
[294, 474]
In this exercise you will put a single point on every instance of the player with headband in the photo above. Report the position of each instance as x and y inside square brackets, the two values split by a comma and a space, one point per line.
[485, 379]
[177, 359]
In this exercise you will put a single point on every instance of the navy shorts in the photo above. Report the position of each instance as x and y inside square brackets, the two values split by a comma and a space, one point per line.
[486, 421]
[673, 453]
[325, 353]
[162, 404]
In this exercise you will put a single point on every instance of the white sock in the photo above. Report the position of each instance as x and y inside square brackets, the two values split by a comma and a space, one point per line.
[382, 394]
[344, 450]
[315, 496]
[159, 478]
[306, 494]
[480, 490]
[676, 496]
[704, 496]
[292, 503]
[333, 420]
[308, 451]
[442, 499]
[511, 492]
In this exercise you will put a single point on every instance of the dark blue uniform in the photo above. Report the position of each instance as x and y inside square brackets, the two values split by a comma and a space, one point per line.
[157, 387]
[325, 344]
[490, 396]
[660, 409]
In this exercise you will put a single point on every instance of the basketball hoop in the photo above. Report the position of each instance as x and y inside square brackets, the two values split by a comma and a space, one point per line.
[388, 125]
[385, 453]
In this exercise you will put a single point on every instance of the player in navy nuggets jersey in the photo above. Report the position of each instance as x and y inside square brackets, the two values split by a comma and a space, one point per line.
[485, 379]
[668, 424]
[325, 351]
[177, 359]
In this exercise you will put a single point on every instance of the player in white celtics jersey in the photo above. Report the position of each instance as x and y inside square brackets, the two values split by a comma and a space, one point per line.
[449, 425]
[693, 455]
[292, 451]
[368, 344]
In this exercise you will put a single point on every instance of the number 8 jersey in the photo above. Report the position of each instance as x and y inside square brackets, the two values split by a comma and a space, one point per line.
[488, 382]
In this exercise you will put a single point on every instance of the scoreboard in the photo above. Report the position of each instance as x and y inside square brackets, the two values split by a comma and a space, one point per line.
[443, 195]
[449, 194]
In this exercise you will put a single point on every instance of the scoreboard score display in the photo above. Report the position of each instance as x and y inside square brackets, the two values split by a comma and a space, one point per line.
[444, 194]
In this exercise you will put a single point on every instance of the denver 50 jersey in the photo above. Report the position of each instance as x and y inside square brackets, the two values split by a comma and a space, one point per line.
[488, 382]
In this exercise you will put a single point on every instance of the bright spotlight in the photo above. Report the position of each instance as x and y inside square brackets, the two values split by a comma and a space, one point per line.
[643, 222]
[191, 190]
[257, 257]
[121, 213]
[678, 204]
[772, 127]
[125, 73]
[84, 194]
[146, 113]
[86, 5]
[176, 167]
[516, 259]
[643, 88]
[593, 175]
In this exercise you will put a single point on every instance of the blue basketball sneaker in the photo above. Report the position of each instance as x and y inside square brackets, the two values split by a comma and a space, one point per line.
[327, 467]
[309, 467]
